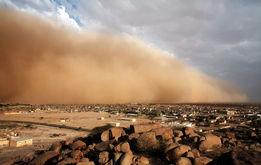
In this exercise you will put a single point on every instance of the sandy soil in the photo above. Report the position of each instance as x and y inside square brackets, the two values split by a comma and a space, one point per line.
[87, 120]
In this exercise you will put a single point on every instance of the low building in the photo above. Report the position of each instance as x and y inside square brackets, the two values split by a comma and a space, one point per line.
[115, 124]
[64, 120]
[160, 119]
[114, 112]
[101, 118]
[180, 124]
[132, 114]
[129, 119]
[11, 113]
[231, 112]
[4, 142]
[212, 121]
[18, 142]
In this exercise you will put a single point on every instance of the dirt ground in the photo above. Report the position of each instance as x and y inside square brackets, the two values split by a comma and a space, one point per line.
[44, 136]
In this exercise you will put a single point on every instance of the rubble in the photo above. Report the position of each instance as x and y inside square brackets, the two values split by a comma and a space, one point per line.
[127, 151]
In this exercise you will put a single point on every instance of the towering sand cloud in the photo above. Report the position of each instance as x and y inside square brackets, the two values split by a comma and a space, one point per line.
[41, 63]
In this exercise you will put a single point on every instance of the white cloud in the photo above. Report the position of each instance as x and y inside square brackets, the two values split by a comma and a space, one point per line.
[45, 9]
[65, 19]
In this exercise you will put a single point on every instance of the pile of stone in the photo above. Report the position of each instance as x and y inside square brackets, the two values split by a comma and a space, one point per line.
[142, 145]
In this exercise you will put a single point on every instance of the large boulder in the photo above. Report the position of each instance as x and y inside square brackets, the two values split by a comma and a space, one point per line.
[142, 161]
[165, 132]
[133, 136]
[84, 160]
[210, 142]
[188, 131]
[78, 145]
[202, 160]
[116, 133]
[116, 157]
[183, 161]
[167, 142]
[56, 147]
[193, 135]
[103, 157]
[77, 154]
[195, 152]
[83, 163]
[238, 157]
[190, 155]
[112, 133]
[105, 136]
[122, 147]
[103, 146]
[177, 133]
[110, 162]
[68, 141]
[91, 146]
[195, 138]
[177, 152]
[44, 158]
[147, 141]
[126, 159]
[86, 163]
[144, 127]
[67, 161]
[91, 163]
[177, 139]
[170, 147]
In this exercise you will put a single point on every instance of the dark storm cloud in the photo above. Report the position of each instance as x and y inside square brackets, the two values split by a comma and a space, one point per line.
[221, 38]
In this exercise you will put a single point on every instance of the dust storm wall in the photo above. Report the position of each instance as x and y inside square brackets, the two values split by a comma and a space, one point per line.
[43, 63]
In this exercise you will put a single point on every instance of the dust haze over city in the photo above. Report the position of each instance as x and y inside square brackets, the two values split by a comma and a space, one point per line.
[41, 63]
[159, 82]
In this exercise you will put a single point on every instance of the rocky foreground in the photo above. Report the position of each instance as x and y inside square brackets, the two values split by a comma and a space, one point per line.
[149, 144]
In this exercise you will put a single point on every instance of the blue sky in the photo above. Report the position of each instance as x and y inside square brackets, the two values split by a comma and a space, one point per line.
[220, 38]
